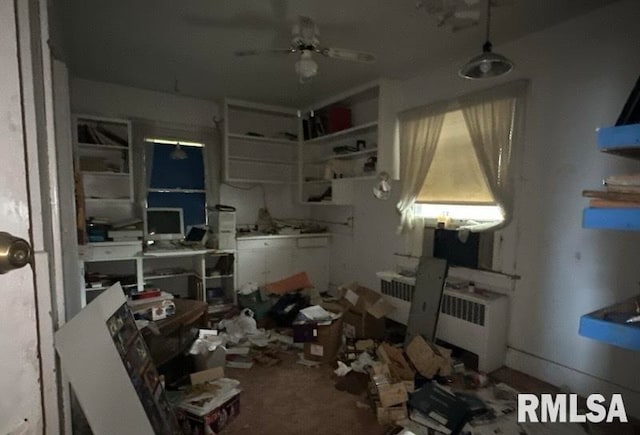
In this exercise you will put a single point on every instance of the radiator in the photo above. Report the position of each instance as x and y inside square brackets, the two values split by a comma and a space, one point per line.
[476, 322]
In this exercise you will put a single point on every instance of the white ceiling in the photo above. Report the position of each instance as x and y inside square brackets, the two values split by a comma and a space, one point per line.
[187, 47]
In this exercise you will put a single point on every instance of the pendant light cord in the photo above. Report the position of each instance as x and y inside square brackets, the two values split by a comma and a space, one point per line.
[488, 18]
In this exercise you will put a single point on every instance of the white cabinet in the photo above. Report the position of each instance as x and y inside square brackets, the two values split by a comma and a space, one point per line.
[102, 148]
[271, 258]
[260, 143]
[351, 136]
[312, 256]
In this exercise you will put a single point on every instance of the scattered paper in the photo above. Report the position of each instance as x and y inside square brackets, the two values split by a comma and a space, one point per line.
[238, 350]
[342, 369]
[316, 312]
[352, 297]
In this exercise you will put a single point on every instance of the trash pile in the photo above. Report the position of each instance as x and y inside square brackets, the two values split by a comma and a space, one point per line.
[416, 387]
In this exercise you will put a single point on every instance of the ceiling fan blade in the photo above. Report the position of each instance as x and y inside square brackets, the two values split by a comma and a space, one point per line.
[250, 52]
[347, 54]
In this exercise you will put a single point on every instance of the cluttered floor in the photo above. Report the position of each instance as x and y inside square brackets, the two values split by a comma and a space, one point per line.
[339, 367]
[290, 398]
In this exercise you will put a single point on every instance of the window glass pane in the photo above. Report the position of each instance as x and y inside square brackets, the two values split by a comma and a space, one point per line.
[455, 176]
[177, 174]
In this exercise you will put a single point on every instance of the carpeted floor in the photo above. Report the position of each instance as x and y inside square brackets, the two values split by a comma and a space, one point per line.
[293, 399]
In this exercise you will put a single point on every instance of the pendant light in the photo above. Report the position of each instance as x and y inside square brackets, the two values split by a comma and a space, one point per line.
[178, 153]
[487, 64]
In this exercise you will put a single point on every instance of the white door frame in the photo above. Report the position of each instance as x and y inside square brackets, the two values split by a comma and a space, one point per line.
[42, 174]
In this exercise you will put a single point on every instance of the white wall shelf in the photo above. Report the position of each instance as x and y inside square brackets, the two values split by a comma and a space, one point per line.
[102, 146]
[105, 174]
[345, 156]
[263, 161]
[372, 109]
[251, 138]
[172, 190]
[254, 150]
[343, 133]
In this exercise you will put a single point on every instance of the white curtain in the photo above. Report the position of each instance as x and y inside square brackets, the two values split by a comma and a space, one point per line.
[493, 118]
[419, 131]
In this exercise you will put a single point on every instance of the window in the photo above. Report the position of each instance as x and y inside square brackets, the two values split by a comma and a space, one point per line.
[456, 159]
[176, 178]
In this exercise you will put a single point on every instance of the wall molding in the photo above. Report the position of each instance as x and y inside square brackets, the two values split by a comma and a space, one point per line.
[576, 381]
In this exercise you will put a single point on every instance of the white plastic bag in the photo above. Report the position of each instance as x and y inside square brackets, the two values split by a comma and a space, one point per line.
[364, 360]
[240, 326]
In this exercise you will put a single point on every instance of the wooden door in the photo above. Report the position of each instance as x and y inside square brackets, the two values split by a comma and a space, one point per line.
[21, 405]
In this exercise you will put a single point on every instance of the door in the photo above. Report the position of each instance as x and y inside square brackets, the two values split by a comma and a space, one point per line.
[21, 407]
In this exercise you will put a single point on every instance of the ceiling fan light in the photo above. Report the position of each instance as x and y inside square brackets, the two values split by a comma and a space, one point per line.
[306, 67]
[486, 65]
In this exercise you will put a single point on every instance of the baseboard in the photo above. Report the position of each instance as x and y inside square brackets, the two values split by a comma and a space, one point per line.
[577, 382]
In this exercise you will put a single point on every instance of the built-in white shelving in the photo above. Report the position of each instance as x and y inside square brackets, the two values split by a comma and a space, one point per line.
[256, 149]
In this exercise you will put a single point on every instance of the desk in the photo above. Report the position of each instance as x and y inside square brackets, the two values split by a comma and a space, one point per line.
[176, 332]
[115, 259]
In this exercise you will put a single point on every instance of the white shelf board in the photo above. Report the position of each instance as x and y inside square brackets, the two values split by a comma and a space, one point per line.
[105, 174]
[171, 190]
[263, 161]
[341, 133]
[103, 146]
[169, 275]
[257, 181]
[109, 200]
[353, 155]
[215, 276]
[360, 177]
[318, 182]
[319, 203]
[249, 137]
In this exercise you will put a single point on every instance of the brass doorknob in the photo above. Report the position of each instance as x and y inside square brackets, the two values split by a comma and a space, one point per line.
[14, 252]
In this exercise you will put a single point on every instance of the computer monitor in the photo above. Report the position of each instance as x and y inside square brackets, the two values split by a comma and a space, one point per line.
[164, 224]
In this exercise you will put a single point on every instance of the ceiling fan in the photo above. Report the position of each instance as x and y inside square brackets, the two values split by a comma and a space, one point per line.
[305, 42]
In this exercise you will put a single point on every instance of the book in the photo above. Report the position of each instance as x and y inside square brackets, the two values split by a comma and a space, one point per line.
[603, 203]
[612, 196]
[239, 361]
[439, 407]
[623, 180]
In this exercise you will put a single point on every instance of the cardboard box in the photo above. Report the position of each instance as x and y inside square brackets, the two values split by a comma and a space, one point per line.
[392, 394]
[210, 359]
[363, 325]
[206, 375]
[398, 365]
[327, 344]
[362, 300]
[390, 415]
[210, 416]
[425, 357]
[213, 422]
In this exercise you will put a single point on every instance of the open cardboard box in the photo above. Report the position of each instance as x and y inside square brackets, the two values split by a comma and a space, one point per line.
[365, 311]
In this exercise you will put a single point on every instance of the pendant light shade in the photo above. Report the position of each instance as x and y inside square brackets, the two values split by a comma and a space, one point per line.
[178, 153]
[487, 64]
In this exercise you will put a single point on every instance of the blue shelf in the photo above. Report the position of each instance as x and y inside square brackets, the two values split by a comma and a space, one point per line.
[627, 219]
[621, 139]
[608, 325]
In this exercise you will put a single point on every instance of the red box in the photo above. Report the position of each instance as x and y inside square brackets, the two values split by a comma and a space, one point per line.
[338, 118]
[213, 422]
